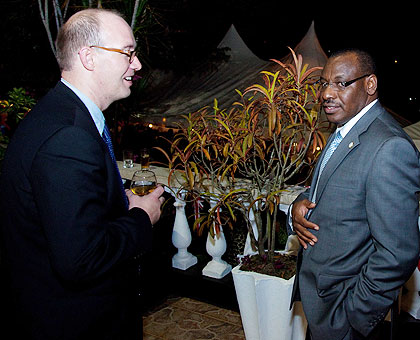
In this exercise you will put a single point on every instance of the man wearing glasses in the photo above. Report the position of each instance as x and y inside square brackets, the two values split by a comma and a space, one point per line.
[358, 223]
[70, 233]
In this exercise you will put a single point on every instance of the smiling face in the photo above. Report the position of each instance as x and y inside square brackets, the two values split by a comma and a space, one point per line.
[114, 72]
[340, 105]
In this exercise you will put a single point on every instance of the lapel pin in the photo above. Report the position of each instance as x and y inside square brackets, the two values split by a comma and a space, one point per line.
[351, 144]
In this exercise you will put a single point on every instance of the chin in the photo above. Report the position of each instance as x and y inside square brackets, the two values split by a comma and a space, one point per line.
[337, 119]
[333, 119]
[124, 94]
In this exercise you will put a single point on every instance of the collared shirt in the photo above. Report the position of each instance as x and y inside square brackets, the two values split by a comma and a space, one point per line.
[344, 129]
[95, 112]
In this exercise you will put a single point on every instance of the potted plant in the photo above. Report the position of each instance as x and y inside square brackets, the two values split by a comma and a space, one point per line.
[242, 159]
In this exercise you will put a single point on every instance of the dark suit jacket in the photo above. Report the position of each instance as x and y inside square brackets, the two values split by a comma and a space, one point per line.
[368, 241]
[68, 241]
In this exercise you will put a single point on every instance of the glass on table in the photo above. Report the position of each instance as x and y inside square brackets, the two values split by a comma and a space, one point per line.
[128, 158]
[143, 182]
[145, 158]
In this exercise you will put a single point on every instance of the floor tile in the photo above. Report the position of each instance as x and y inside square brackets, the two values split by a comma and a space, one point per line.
[188, 319]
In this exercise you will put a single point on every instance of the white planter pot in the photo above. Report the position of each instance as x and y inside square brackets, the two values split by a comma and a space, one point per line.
[264, 306]
[410, 301]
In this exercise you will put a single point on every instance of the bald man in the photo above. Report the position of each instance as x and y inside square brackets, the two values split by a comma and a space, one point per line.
[70, 233]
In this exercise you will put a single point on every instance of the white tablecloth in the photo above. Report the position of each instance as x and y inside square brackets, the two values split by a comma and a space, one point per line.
[287, 197]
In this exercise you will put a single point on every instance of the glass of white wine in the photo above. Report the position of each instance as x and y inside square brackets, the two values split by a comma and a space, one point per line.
[143, 182]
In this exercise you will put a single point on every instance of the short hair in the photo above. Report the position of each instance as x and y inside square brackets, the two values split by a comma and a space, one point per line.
[366, 65]
[82, 29]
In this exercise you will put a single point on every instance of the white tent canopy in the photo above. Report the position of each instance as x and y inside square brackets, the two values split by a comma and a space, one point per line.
[188, 94]
[413, 131]
[310, 49]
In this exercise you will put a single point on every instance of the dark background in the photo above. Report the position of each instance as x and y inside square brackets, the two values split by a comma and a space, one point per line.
[191, 29]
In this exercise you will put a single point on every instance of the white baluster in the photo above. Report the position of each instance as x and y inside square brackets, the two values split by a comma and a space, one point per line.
[216, 247]
[248, 248]
[181, 237]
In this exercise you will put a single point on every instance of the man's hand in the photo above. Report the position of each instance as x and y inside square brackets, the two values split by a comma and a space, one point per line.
[150, 203]
[301, 224]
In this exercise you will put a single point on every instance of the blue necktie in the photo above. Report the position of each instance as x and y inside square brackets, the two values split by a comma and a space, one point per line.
[107, 139]
[330, 151]
[327, 156]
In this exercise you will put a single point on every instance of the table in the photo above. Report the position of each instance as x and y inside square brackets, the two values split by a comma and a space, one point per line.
[287, 197]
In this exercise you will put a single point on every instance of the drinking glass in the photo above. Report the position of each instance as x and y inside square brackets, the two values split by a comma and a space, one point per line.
[128, 157]
[143, 182]
[144, 158]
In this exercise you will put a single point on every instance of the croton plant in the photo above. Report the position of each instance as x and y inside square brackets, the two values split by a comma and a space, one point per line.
[241, 158]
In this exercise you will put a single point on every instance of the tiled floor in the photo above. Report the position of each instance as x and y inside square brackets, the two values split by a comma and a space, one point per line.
[187, 319]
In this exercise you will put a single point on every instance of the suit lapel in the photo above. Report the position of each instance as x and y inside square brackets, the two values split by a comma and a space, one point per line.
[349, 143]
[82, 117]
[317, 167]
[84, 120]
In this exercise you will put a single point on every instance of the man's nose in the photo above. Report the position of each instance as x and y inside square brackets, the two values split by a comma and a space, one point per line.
[328, 92]
[136, 64]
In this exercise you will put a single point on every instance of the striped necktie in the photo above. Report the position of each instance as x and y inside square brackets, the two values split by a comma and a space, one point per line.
[107, 139]
[330, 151]
[334, 144]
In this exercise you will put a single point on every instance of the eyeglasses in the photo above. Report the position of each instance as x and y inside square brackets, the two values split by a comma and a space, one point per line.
[339, 85]
[130, 54]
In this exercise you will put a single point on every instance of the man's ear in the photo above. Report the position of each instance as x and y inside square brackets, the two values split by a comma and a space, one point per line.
[371, 85]
[86, 57]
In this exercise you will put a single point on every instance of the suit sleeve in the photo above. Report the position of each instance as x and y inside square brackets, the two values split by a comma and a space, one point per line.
[392, 212]
[87, 236]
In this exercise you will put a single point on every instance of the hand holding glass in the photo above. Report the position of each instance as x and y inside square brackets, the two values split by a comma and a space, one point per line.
[143, 182]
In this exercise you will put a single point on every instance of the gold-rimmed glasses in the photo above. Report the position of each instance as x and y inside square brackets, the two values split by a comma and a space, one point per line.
[130, 54]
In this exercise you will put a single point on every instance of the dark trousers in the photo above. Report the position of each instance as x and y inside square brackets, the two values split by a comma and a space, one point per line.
[384, 331]
[381, 332]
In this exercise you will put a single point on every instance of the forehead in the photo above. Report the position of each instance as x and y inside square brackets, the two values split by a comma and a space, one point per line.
[341, 67]
[116, 31]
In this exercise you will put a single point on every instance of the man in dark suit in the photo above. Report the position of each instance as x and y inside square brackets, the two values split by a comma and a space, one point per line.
[358, 223]
[70, 233]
